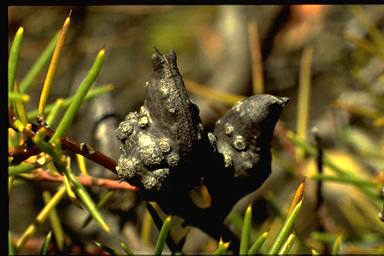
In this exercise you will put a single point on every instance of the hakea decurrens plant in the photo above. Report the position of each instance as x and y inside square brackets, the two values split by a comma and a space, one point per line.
[166, 151]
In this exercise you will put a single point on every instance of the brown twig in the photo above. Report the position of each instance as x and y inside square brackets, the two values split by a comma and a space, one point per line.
[23, 152]
[41, 175]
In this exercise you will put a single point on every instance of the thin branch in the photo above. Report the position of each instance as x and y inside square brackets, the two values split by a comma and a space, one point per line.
[41, 175]
[319, 208]
[22, 153]
[319, 163]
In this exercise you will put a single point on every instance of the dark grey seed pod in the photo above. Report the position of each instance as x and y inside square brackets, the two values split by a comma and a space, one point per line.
[244, 133]
[169, 106]
[164, 132]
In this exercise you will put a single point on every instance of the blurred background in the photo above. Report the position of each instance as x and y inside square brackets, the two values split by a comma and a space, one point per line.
[329, 60]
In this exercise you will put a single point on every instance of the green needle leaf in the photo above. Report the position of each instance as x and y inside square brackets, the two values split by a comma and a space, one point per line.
[19, 107]
[11, 250]
[44, 247]
[336, 245]
[78, 187]
[375, 197]
[284, 232]
[287, 245]
[125, 248]
[345, 179]
[22, 168]
[56, 110]
[18, 96]
[14, 58]
[222, 248]
[91, 94]
[304, 97]
[38, 65]
[314, 252]
[162, 236]
[246, 230]
[259, 242]
[87, 200]
[106, 248]
[324, 237]
[41, 217]
[99, 205]
[53, 66]
[55, 222]
[79, 97]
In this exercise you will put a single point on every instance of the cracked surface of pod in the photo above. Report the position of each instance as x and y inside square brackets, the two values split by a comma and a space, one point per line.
[245, 132]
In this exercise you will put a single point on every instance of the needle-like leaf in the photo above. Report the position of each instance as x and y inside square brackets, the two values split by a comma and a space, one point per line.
[79, 97]
[53, 66]
[90, 95]
[336, 245]
[106, 248]
[56, 110]
[55, 222]
[18, 96]
[38, 66]
[14, 56]
[11, 250]
[286, 229]
[99, 205]
[304, 97]
[288, 244]
[41, 217]
[162, 236]
[245, 234]
[258, 243]
[222, 248]
[23, 168]
[47, 240]
[125, 248]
